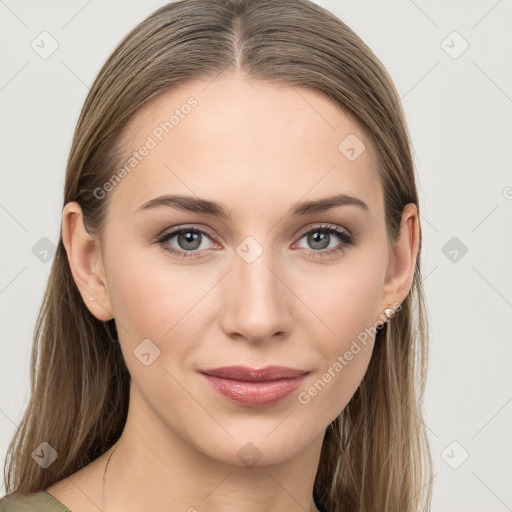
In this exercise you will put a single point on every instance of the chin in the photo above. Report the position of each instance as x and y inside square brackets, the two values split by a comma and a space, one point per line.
[258, 446]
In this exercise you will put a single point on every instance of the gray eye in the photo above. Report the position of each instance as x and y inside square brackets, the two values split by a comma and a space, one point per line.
[188, 240]
[320, 239]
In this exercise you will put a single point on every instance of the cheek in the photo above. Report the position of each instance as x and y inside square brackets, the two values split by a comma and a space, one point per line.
[344, 297]
[346, 303]
[157, 300]
[148, 293]
[344, 357]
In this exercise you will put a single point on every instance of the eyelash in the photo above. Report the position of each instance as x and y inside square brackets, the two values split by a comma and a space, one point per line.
[345, 238]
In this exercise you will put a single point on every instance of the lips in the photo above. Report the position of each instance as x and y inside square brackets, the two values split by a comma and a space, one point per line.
[246, 374]
[254, 387]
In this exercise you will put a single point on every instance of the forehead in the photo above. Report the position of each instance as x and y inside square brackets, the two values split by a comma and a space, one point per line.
[246, 142]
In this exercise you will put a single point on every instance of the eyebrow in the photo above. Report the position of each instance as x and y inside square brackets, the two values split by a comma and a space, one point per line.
[216, 209]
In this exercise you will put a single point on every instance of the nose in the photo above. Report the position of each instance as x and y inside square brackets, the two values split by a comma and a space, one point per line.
[256, 300]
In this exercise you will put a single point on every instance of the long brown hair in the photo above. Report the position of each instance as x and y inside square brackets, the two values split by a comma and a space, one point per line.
[375, 454]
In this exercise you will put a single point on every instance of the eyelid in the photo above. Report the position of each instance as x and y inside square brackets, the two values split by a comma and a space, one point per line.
[322, 225]
[177, 229]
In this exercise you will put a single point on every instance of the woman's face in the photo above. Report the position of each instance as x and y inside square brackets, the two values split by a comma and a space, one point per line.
[263, 285]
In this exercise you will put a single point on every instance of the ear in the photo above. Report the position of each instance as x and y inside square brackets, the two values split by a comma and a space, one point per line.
[86, 263]
[402, 262]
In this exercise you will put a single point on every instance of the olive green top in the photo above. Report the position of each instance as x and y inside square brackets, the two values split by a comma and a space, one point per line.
[40, 501]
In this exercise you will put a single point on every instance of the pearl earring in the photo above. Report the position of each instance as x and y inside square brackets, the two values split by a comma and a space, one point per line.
[92, 298]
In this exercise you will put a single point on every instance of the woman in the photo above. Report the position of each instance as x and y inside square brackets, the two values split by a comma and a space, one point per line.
[234, 316]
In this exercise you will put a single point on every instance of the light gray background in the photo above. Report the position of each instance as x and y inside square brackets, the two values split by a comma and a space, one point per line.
[459, 112]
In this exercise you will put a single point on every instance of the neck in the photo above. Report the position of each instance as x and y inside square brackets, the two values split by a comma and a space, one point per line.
[152, 467]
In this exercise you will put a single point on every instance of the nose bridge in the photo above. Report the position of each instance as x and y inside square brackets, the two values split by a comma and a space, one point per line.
[257, 304]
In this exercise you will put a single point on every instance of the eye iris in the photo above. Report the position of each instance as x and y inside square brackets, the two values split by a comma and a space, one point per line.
[323, 239]
[189, 238]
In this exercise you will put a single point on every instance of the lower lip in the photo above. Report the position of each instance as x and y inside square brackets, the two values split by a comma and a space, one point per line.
[254, 394]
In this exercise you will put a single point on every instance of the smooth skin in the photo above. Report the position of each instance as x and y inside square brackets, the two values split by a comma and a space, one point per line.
[258, 148]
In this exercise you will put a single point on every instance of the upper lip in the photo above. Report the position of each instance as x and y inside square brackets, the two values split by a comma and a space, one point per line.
[244, 373]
